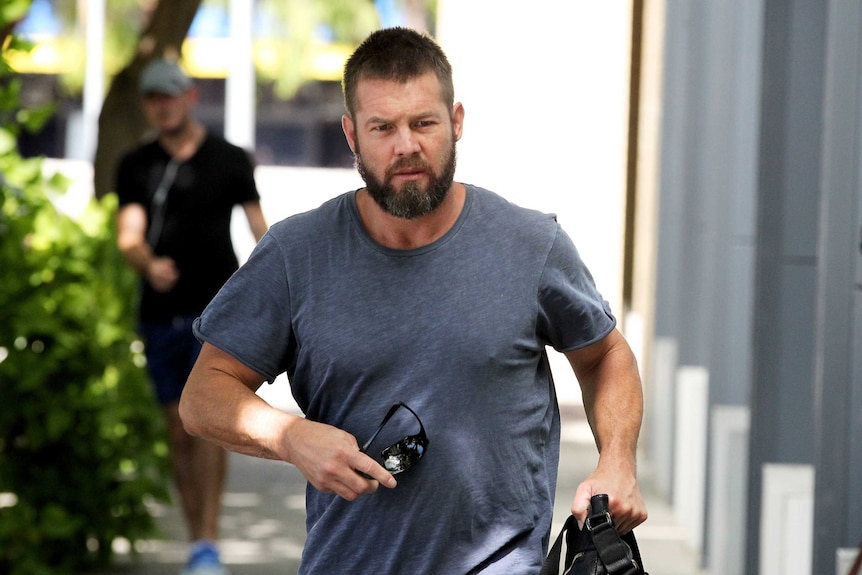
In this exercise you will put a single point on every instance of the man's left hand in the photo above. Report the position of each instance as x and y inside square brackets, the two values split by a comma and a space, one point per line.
[626, 503]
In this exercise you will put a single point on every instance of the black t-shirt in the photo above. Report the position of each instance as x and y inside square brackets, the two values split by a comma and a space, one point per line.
[197, 213]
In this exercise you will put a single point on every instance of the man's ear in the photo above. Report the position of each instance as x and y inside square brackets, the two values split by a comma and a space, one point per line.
[193, 95]
[349, 131]
[458, 120]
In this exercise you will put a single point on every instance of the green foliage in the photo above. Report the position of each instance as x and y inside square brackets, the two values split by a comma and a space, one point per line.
[294, 26]
[82, 444]
[297, 27]
[13, 10]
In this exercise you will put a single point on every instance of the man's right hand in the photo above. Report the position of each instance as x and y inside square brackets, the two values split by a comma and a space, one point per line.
[330, 459]
[162, 273]
[219, 404]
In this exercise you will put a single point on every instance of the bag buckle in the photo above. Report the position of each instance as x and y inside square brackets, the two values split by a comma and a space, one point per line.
[598, 520]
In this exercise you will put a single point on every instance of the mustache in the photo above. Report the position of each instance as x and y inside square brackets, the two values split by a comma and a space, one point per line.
[407, 163]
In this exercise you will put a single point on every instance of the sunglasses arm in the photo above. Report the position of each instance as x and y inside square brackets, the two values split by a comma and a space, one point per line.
[421, 427]
[389, 415]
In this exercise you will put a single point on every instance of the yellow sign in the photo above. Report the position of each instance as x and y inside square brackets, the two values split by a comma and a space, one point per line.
[202, 57]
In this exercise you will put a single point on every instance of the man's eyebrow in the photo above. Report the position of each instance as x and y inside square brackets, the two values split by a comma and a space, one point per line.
[413, 118]
[377, 120]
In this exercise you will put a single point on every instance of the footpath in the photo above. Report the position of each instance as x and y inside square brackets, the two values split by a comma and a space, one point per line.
[263, 518]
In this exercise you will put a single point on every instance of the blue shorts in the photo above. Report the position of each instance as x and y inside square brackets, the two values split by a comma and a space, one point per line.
[171, 349]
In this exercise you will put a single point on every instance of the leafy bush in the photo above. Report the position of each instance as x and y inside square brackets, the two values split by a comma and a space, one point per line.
[82, 445]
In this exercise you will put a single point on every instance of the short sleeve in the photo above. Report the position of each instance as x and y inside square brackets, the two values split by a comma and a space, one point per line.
[572, 312]
[250, 317]
[128, 183]
[244, 175]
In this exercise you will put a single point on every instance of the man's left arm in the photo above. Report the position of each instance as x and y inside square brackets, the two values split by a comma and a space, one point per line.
[613, 399]
[256, 221]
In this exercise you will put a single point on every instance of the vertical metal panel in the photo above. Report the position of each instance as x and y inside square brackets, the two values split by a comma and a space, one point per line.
[672, 171]
[789, 167]
[787, 521]
[839, 340]
[691, 409]
[728, 471]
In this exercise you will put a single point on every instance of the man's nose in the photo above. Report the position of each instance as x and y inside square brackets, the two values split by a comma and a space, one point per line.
[406, 143]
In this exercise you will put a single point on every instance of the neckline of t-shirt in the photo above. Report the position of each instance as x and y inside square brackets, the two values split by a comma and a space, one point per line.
[204, 142]
[450, 233]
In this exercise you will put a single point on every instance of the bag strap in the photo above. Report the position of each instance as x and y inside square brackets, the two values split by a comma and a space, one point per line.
[620, 556]
[157, 219]
[614, 553]
[551, 566]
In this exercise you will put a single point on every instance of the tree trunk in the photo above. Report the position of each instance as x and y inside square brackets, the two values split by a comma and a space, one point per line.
[122, 123]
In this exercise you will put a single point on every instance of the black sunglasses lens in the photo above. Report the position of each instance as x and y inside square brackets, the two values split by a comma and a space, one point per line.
[404, 454]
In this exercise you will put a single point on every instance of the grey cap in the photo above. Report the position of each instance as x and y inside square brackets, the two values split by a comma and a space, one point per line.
[164, 77]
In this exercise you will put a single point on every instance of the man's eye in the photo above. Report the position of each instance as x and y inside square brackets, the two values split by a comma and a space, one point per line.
[382, 128]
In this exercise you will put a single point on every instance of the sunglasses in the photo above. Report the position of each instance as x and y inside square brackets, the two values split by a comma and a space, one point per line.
[405, 453]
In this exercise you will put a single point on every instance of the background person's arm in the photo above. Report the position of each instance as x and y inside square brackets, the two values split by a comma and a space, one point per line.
[256, 221]
[160, 272]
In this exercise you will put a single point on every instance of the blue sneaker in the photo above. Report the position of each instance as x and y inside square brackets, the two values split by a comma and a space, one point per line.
[204, 560]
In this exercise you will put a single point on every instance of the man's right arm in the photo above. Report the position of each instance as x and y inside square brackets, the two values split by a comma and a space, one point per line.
[161, 272]
[219, 403]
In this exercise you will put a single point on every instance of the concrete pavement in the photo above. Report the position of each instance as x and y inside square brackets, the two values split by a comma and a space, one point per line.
[263, 520]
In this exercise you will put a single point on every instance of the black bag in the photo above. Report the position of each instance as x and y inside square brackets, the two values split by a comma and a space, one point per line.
[596, 549]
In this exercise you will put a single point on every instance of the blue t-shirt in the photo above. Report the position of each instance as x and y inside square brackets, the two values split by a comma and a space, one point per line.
[457, 330]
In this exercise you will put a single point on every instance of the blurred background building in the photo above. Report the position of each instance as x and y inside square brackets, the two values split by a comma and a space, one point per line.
[705, 157]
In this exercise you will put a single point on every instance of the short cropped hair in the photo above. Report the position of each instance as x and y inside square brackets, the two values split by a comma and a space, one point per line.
[396, 54]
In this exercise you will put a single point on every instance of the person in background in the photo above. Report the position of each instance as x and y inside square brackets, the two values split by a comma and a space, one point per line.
[176, 196]
[412, 317]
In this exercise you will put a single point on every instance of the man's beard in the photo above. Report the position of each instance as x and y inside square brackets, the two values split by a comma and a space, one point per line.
[178, 128]
[411, 201]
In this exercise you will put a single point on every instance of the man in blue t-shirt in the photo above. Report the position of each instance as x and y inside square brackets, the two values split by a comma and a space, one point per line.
[412, 318]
